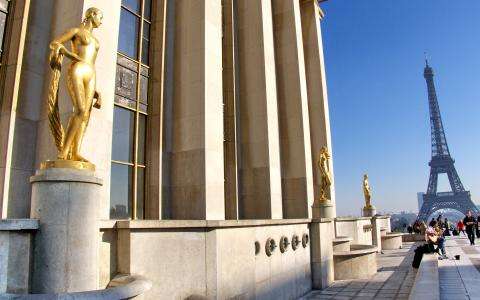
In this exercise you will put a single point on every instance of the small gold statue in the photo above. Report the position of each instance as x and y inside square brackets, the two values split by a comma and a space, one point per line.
[325, 174]
[81, 83]
[367, 192]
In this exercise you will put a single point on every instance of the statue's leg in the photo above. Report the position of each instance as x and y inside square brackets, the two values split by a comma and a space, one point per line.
[76, 90]
[89, 89]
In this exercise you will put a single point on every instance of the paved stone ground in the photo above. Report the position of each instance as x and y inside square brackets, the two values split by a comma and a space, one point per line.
[460, 279]
[394, 279]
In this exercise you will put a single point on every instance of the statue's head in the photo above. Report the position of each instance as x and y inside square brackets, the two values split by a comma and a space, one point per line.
[94, 15]
[365, 176]
[324, 151]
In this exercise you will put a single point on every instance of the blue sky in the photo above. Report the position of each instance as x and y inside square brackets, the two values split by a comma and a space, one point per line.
[378, 99]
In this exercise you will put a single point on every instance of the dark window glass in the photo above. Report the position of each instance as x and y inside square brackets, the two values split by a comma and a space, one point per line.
[140, 192]
[123, 134]
[133, 5]
[145, 50]
[142, 123]
[147, 10]
[128, 36]
[121, 187]
[143, 89]
[130, 111]
[146, 30]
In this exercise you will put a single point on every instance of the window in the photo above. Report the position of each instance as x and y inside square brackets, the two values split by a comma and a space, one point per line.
[4, 6]
[127, 191]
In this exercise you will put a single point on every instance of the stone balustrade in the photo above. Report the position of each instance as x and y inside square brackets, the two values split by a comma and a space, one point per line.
[16, 254]
[121, 287]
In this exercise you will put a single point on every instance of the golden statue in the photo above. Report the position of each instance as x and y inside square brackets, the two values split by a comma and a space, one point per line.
[81, 88]
[367, 192]
[325, 174]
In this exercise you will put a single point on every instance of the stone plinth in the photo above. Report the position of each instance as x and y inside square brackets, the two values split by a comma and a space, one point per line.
[66, 202]
[322, 233]
[369, 211]
[16, 254]
[323, 209]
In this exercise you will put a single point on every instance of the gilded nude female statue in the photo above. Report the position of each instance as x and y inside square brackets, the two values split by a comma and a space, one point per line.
[367, 192]
[325, 175]
[81, 84]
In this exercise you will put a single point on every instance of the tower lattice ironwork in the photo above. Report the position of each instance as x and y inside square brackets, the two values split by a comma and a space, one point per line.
[441, 163]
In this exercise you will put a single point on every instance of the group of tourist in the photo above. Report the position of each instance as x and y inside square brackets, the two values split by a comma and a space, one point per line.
[440, 227]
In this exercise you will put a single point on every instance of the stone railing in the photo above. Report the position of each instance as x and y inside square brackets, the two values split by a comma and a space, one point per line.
[121, 287]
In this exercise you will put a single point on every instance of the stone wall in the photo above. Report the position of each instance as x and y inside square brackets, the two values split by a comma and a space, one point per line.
[16, 254]
[359, 229]
[215, 259]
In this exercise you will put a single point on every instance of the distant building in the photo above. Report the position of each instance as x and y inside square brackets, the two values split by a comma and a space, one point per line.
[420, 200]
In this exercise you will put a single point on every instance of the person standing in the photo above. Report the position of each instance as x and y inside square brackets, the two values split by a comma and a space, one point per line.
[447, 228]
[460, 227]
[477, 225]
[469, 222]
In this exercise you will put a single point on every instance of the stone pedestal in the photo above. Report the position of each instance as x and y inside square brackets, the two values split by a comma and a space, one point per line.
[369, 211]
[323, 209]
[66, 202]
[322, 233]
[376, 233]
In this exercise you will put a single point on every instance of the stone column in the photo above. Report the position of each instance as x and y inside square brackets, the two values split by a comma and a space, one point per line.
[317, 92]
[376, 233]
[322, 233]
[155, 131]
[197, 174]
[230, 99]
[66, 245]
[19, 106]
[259, 162]
[295, 152]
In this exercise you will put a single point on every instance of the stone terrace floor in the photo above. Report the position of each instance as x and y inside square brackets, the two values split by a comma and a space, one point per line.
[394, 279]
[460, 279]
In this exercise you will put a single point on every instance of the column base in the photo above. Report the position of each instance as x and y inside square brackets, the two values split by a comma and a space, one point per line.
[323, 209]
[66, 202]
[369, 211]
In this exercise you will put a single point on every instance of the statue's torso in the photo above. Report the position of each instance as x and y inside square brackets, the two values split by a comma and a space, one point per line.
[85, 45]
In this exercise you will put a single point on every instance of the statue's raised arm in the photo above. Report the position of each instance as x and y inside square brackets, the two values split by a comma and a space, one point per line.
[81, 84]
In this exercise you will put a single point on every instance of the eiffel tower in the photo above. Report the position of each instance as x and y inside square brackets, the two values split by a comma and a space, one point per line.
[441, 163]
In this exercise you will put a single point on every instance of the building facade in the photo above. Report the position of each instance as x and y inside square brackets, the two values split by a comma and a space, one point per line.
[213, 116]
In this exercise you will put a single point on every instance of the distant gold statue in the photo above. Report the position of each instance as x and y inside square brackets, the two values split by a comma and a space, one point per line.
[81, 83]
[325, 174]
[367, 192]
